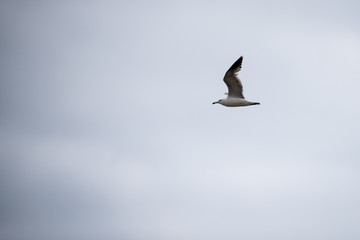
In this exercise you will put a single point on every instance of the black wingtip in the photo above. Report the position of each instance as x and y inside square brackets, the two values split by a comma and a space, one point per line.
[237, 64]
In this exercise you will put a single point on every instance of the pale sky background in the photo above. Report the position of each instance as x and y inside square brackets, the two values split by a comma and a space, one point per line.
[107, 129]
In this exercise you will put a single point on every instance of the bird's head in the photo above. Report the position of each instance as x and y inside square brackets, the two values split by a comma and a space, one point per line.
[217, 101]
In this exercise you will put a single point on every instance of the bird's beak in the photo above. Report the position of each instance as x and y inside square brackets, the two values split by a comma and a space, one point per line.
[215, 102]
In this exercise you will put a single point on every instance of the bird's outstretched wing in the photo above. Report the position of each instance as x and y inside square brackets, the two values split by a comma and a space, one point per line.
[232, 81]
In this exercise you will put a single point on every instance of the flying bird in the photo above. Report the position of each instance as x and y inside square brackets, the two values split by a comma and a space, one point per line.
[235, 97]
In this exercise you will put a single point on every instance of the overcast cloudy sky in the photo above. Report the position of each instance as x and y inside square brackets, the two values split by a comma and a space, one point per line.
[107, 130]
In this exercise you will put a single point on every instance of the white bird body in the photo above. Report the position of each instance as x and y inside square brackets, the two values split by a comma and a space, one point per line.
[235, 94]
[235, 102]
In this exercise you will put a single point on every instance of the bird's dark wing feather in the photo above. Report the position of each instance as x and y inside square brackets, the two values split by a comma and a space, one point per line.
[232, 81]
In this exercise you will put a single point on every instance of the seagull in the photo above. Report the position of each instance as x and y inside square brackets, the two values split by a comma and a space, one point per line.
[235, 97]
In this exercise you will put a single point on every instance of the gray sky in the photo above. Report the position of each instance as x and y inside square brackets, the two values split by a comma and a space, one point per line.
[108, 132]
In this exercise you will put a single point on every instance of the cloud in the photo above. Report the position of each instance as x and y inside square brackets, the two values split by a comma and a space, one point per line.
[108, 131]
